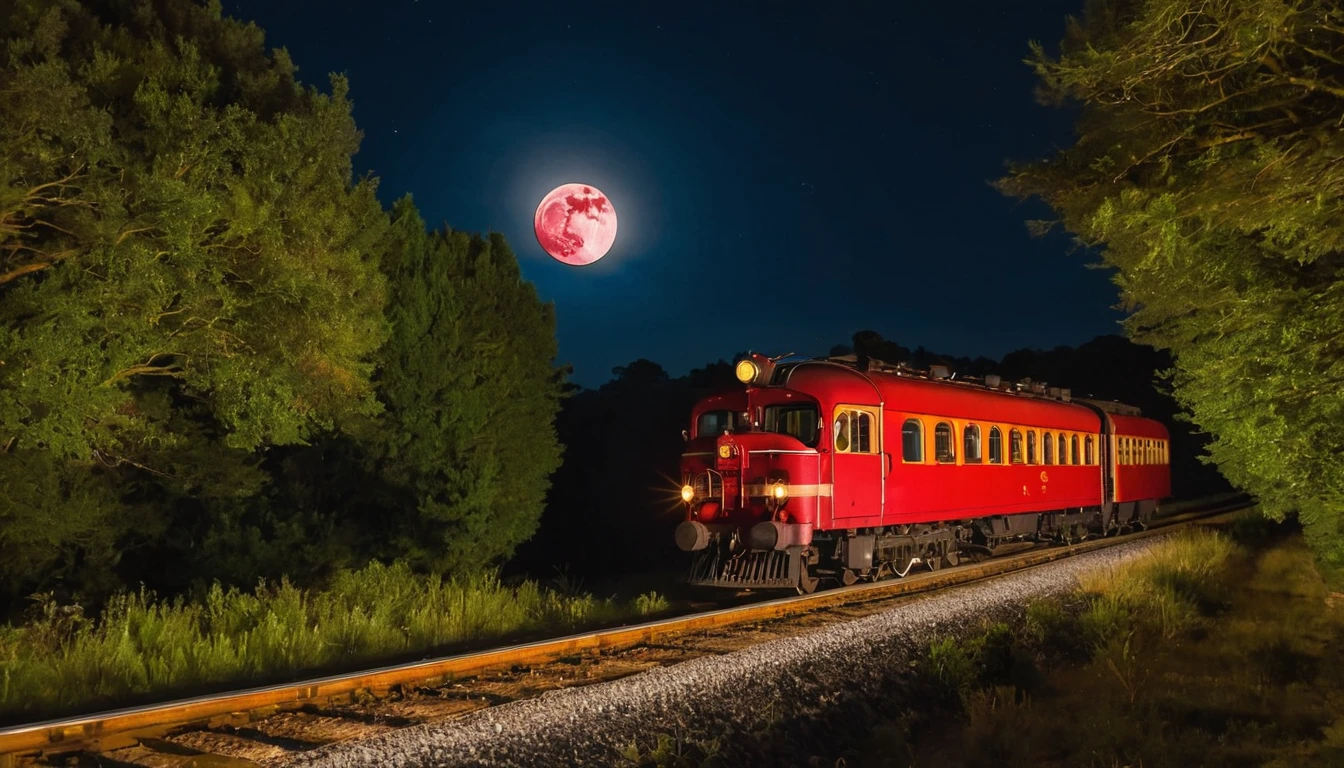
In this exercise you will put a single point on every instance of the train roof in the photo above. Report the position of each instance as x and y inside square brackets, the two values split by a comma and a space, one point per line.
[938, 390]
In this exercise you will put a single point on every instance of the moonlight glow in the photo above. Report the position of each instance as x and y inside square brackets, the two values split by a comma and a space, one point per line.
[576, 224]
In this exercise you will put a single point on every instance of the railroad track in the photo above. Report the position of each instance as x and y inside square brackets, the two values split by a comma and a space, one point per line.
[259, 725]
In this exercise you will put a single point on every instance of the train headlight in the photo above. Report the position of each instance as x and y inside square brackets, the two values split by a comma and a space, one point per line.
[779, 492]
[687, 493]
[746, 371]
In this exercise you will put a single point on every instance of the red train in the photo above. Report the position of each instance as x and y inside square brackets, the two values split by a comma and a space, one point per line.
[848, 469]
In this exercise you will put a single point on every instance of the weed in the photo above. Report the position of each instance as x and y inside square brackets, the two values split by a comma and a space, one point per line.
[999, 728]
[650, 603]
[950, 666]
[672, 751]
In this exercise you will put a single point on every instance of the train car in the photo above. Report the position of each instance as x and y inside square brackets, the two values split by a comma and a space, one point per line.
[847, 469]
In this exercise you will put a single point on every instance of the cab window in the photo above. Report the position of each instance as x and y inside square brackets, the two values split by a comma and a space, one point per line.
[797, 421]
[715, 423]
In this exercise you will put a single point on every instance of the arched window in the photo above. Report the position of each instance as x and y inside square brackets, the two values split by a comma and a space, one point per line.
[912, 441]
[943, 449]
[1063, 449]
[1073, 450]
[970, 444]
[1031, 446]
[1014, 446]
[854, 431]
[1121, 451]
[1047, 449]
[1089, 457]
[995, 446]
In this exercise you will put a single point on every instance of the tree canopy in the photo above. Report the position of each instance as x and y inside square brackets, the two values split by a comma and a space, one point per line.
[1207, 170]
[471, 396]
[194, 308]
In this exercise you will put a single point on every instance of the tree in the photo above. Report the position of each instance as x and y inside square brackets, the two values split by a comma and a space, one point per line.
[1207, 170]
[468, 440]
[188, 272]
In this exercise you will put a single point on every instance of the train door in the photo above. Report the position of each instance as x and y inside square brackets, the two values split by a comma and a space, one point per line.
[857, 470]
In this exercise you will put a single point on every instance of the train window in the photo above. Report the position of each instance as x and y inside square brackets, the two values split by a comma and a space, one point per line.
[1031, 446]
[1047, 449]
[798, 421]
[942, 443]
[853, 431]
[1063, 449]
[1073, 450]
[1089, 457]
[715, 423]
[970, 444]
[861, 428]
[912, 441]
[995, 445]
[1015, 446]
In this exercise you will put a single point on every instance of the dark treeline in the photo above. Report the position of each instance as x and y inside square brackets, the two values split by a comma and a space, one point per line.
[613, 503]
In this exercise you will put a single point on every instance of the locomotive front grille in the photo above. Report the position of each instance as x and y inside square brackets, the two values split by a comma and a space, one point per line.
[770, 569]
[708, 485]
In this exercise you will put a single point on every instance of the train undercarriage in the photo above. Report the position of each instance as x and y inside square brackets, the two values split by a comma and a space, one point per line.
[849, 556]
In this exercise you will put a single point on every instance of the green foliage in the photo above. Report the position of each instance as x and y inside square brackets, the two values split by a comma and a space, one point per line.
[650, 603]
[1166, 590]
[188, 271]
[673, 751]
[1207, 171]
[141, 647]
[1250, 685]
[471, 396]
[219, 358]
[954, 668]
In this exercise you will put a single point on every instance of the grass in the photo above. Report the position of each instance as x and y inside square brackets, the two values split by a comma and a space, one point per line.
[1214, 649]
[60, 661]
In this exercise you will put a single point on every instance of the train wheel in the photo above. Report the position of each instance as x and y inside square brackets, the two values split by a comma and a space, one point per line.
[807, 583]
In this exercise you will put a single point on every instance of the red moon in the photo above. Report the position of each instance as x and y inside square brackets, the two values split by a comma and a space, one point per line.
[575, 224]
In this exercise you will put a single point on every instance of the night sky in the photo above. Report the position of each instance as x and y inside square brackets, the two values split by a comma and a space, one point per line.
[785, 174]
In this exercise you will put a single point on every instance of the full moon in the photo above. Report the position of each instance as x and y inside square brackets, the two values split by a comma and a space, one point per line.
[576, 224]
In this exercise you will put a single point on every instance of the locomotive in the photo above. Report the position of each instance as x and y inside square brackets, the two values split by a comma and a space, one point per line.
[846, 469]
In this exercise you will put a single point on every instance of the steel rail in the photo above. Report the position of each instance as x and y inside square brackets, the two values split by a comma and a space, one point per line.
[104, 731]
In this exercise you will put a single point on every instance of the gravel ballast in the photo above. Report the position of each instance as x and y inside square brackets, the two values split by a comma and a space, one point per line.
[791, 682]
